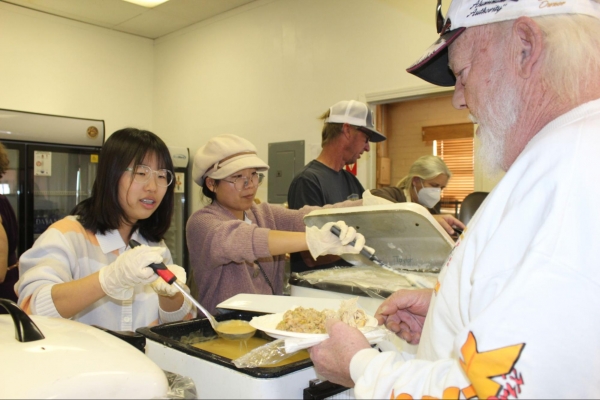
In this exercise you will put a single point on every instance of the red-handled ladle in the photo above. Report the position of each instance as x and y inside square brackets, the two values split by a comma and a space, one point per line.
[231, 329]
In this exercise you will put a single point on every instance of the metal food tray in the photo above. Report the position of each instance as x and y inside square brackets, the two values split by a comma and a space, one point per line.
[404, 235]
[297, 279]
[170, 335]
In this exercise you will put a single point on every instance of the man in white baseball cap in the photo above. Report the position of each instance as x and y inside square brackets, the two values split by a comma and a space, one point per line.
[348, 131]
[512, 314]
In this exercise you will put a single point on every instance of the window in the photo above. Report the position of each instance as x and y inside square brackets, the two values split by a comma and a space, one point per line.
[458, 156]
[455, 145]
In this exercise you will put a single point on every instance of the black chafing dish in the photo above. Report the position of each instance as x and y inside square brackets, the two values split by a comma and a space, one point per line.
[170, 335]
[217, 377]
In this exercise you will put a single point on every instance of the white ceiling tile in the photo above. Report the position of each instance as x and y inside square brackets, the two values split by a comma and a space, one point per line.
[153, 24]
[105, 13]
[130, 18]
[199, 10]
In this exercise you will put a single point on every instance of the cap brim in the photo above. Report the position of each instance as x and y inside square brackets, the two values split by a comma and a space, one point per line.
[238, 165]
[232, 168]
[433, 65]
[374, 136]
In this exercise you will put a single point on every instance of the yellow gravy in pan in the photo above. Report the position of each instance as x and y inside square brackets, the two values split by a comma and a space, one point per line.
[233, 349]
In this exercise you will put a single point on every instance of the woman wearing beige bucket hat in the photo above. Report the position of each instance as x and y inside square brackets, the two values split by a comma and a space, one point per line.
[238, 246]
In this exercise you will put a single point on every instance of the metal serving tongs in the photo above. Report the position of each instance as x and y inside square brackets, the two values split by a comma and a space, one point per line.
[169, 277]
[371, 256]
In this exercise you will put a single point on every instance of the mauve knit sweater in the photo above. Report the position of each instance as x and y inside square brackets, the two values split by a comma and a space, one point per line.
[223, 249]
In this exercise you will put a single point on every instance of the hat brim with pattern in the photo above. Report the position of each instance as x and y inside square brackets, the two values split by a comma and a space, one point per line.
[433, 65]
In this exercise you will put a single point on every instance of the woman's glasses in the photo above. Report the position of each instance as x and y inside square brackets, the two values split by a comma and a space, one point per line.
[241, 182]
[142, 174]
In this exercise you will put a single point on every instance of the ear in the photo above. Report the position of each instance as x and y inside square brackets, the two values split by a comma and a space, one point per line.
[346, 130]
[415, 180]
[210, 184]
[530, 45]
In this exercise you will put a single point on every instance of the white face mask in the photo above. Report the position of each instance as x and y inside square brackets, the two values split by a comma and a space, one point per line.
[429, 196]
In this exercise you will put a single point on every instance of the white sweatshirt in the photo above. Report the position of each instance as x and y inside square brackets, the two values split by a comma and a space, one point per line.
[516, 310]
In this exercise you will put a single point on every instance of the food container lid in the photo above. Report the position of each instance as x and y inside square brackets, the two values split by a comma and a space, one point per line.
[74, 360]
[404, 235]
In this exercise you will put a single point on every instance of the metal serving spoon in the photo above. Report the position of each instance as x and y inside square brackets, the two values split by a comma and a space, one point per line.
[242, 329]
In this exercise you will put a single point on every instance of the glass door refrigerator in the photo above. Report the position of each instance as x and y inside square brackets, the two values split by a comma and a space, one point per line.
[175, 237]
[53, 165]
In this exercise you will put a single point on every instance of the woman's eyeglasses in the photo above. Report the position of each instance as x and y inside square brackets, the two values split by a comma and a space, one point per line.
[241, 182]
[142, 174]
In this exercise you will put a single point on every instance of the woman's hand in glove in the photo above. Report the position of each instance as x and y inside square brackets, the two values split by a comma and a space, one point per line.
[162, 288]
[130, 268]
[323, 241]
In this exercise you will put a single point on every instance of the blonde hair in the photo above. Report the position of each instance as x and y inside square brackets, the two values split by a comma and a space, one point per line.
[331, 130]
[426, 167]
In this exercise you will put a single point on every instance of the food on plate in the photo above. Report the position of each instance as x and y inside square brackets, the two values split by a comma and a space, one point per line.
[350, 314]
[303, 320]
[309, 320]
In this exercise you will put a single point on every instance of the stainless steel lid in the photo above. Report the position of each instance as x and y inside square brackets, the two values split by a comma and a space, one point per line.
[404, 235]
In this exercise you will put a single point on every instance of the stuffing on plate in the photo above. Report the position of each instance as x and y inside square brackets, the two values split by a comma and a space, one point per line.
[309, 320]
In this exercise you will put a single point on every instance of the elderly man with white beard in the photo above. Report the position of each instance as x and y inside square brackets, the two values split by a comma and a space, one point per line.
[512, 314]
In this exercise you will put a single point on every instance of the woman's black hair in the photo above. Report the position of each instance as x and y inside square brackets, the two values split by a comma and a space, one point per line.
[102, 211]
[209, 194]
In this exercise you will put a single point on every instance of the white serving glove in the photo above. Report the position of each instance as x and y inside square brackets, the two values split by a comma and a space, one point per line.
[323, 241]
[162, 288]
[130, 268]
[372, 200]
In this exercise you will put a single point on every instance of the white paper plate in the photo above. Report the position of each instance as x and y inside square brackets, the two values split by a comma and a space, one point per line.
[268, 324]
[267, 303]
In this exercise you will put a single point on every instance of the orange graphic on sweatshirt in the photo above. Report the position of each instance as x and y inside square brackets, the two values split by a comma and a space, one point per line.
[482, 367]
[449, 393]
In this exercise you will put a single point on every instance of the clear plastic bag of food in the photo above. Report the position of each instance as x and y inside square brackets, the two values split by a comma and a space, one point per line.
[267, 354]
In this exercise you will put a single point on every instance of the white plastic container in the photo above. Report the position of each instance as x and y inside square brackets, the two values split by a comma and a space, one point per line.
[74, 361]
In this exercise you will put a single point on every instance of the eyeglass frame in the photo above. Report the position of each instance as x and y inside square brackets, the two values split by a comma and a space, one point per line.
[135, 175]
[260, 176]
[363, 130]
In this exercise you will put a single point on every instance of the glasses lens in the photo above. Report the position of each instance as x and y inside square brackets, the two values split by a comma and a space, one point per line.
[365, 133]
[240, 183]
[164, 177]
[141, 174]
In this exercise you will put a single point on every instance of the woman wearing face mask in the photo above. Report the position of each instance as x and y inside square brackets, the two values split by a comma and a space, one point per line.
[238, 246]
[426, 179]
[82, 267]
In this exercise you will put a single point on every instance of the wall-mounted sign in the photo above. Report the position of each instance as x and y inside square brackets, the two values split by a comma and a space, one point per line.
[179, 182]
[42, 163]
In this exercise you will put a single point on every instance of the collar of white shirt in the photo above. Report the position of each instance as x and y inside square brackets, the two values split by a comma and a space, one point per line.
[112, 241]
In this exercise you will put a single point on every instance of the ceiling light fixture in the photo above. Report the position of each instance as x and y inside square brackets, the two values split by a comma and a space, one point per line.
[147, 3]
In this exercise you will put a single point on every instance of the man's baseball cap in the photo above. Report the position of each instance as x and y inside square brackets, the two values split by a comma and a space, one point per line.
[463, 14]
[355, 113]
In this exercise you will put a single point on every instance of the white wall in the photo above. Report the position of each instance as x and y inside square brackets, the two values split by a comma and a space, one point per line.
[266, 71]
[53, 65]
